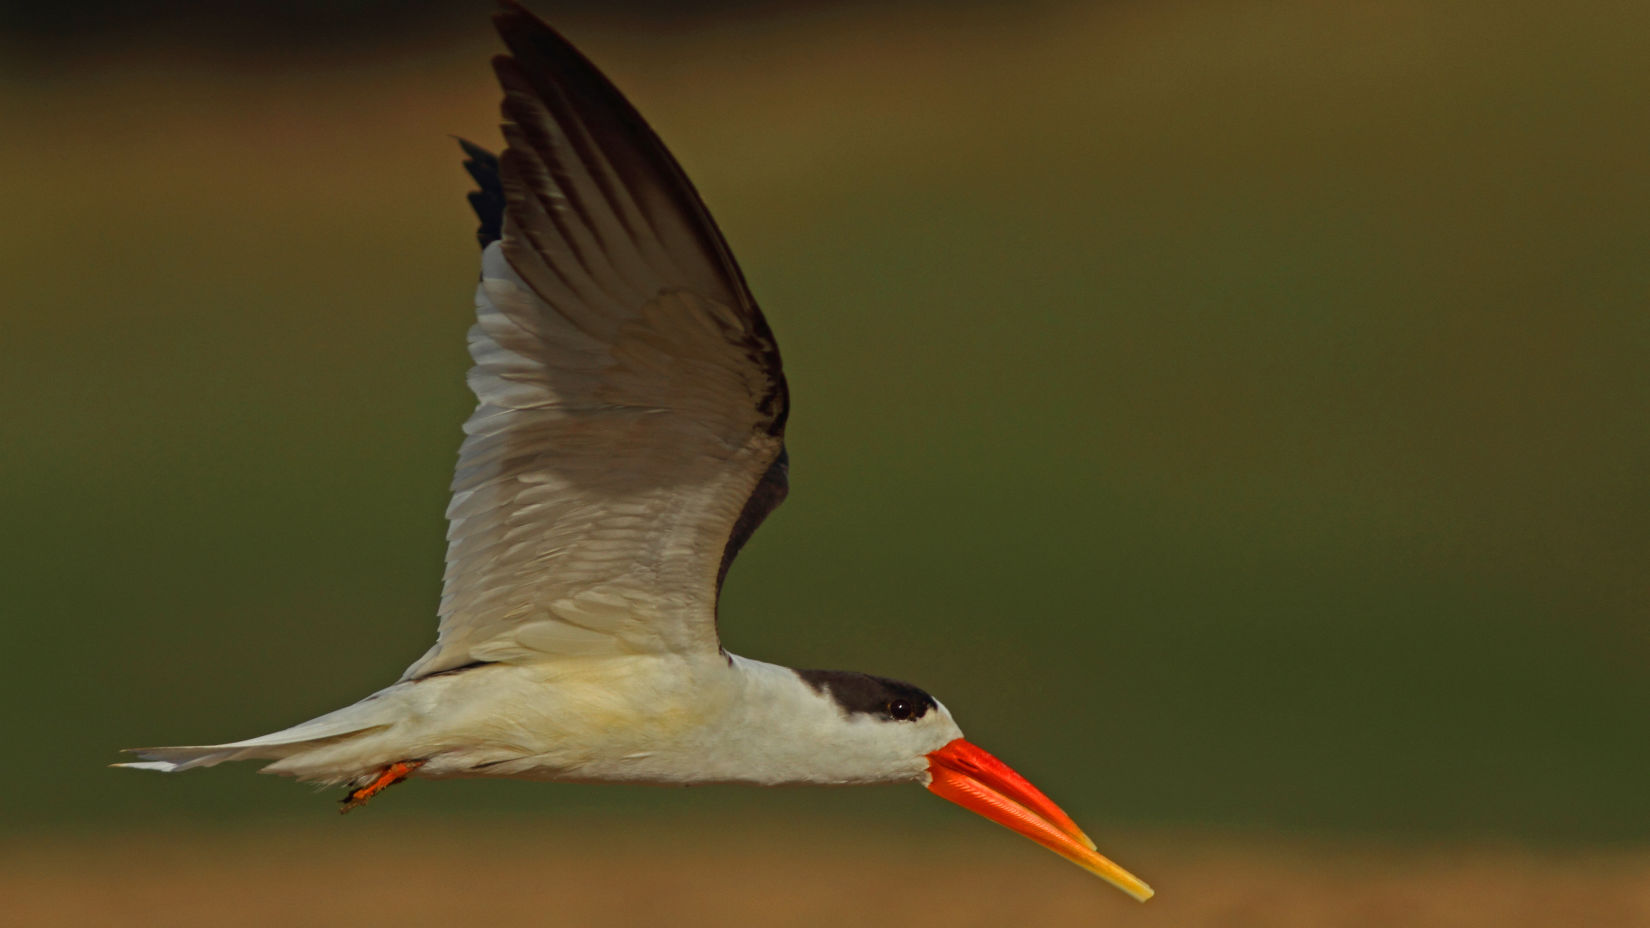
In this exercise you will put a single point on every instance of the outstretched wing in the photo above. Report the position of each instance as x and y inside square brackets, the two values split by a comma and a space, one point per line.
[629, 431]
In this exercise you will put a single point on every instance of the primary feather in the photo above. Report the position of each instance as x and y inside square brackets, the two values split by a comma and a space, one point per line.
[630, 395]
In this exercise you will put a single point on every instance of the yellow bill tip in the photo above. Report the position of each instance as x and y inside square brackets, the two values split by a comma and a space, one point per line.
[968, 776]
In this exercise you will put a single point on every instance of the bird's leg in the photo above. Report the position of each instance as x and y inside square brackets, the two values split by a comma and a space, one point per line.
[386, 778]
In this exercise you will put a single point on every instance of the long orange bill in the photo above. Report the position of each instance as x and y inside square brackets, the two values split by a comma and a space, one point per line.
[973, 779]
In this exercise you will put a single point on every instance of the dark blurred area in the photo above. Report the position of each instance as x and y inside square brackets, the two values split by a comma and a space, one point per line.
[267, 24]
[253, 23]
[1238, 414]
[43, 37]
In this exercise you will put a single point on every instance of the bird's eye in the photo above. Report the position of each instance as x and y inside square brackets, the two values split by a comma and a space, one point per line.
[900, 710]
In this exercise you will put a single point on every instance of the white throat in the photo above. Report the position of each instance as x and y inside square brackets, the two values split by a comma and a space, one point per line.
[779, 729]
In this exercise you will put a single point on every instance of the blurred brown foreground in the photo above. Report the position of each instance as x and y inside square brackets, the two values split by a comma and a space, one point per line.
[582, 875]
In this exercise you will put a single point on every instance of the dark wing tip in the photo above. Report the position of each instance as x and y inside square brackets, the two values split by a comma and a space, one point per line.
[541, 49]
[488, 202]
[542, 61]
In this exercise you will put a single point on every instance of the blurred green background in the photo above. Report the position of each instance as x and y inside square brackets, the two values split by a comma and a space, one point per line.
[1238, 413]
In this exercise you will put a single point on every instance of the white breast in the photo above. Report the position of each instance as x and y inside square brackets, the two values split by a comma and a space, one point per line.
[666, 719]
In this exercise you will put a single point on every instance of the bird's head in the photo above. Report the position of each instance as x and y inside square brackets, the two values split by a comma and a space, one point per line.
[914, 736]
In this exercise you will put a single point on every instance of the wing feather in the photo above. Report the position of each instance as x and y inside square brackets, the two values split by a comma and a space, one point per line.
[628, 433]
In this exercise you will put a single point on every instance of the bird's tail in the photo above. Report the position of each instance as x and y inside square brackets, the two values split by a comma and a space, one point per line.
[346, 724]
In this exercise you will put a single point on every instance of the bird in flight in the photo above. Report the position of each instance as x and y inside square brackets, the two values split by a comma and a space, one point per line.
[628, 438]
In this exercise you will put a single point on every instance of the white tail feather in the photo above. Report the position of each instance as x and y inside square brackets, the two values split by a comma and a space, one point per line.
[345, 723]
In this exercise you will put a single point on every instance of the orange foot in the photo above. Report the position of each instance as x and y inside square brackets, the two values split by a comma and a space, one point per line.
[386, 778]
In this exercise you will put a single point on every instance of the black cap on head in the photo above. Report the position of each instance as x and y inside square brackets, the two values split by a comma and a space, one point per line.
[865, 694]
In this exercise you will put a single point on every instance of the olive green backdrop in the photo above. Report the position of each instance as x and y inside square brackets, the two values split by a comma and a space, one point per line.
[1239, 414]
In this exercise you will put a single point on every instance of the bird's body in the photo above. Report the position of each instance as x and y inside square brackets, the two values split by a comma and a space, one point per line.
[659, 719]
[628, 438]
